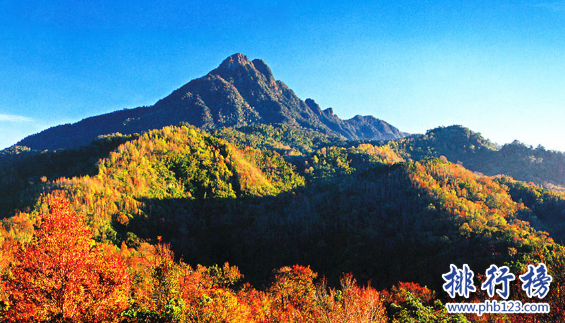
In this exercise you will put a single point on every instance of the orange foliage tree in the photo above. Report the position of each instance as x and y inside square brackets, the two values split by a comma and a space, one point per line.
[292, 294]
[62, 275]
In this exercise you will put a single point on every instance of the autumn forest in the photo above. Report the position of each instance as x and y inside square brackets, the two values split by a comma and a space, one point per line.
[308, 219]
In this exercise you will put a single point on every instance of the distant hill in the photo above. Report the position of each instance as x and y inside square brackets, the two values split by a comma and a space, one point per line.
[468, 148]
[456, 143]
[238, 93]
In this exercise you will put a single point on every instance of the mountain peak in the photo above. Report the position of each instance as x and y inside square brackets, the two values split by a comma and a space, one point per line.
[239, 92]
[264, 69]
[235, 60]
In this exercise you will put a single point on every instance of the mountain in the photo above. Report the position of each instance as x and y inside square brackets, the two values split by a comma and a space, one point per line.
[238, 93]
[277, 182]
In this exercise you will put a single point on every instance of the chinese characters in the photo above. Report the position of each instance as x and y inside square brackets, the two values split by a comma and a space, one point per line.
[535, 282]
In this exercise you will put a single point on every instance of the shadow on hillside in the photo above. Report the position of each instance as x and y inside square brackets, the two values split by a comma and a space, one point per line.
[364, 225]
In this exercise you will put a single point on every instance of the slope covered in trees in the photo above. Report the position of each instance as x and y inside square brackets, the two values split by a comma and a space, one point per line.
[293, 228]
[461, 145]
[286, 140]
[458, 144]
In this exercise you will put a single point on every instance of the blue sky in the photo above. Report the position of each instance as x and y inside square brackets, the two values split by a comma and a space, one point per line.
[495, 67]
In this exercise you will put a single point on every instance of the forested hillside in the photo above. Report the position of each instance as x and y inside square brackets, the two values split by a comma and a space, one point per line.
[304, 220]
[462, 145]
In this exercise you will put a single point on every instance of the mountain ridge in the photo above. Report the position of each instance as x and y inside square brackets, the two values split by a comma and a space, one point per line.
[239, 92]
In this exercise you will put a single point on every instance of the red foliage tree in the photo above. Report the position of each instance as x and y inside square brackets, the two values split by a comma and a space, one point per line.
[62, 275]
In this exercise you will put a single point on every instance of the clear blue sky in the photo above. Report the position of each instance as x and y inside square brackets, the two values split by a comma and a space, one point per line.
[497, 67]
